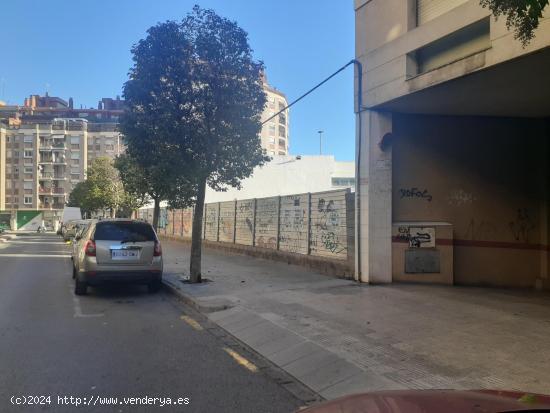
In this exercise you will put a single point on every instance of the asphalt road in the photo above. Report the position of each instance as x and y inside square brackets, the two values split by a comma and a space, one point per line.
[115, 342]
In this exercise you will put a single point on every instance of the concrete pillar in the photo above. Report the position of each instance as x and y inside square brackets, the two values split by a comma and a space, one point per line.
[373, 206]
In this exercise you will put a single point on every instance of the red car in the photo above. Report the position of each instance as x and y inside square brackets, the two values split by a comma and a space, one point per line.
[435, 401]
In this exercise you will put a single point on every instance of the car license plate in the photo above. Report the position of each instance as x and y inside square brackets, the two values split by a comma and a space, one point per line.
[124, 254]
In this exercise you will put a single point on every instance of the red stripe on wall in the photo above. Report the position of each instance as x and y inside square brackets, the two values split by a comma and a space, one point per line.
[483, 244]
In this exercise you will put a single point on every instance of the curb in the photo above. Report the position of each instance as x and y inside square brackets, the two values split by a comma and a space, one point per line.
[173, 288]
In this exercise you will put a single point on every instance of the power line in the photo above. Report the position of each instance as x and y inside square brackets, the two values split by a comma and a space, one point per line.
[309, 91]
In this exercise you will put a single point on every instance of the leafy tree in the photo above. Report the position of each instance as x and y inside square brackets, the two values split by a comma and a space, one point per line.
[156, 182]
[79, 197]
[105, 189]
[196, 98]
[523, 15]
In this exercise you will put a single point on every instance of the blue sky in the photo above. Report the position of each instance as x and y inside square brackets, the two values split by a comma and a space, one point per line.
[81, 49]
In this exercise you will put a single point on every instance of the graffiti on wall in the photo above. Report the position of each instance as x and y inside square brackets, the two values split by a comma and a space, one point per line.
[227, 221]
[211, 222]
[244, 225]
[328, 226]
[277, 223]
[163, 218]
[459, 197]
[293, 224]
[415, 193]
[522, 226]
[417, 237]
[266, 222]
[480, 230]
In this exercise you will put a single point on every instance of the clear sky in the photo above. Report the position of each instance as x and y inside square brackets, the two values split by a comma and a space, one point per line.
[81, 49]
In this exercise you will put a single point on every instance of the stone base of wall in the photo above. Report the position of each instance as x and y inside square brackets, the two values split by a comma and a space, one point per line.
[335, 268]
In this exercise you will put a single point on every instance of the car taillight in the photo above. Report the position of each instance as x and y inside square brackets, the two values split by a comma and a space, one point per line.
[158, 250]
[89, 248]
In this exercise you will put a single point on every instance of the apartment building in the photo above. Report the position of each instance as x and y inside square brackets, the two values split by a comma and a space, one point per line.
[44, 153]
[453, 146]
[274, 135]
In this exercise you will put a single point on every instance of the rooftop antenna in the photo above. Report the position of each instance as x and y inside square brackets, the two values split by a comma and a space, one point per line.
[320, 132]
[47, 89]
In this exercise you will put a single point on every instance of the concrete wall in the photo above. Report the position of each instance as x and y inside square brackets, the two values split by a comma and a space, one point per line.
[386, 35]
[318, 224]
[489, 178]
[2, 169]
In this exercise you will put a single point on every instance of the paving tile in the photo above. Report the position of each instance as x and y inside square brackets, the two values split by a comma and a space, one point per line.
[295, 352]
[285, 340]
[309, 363]
[330, 374]
[359, 383]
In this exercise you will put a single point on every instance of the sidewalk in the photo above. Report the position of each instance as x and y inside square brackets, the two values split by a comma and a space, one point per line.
[339, 337]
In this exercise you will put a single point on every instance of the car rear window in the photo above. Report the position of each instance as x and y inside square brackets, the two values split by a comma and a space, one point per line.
[124, 231]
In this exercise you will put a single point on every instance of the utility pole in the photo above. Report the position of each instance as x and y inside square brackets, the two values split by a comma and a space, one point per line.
[320, 141]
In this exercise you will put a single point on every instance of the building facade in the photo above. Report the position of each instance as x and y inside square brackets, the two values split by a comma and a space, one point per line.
[453, 146]
[44, 153]
[286, 175]
[275, 133]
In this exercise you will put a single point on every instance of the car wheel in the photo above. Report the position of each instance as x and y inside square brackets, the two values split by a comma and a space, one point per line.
[80, 287]
[154, 286]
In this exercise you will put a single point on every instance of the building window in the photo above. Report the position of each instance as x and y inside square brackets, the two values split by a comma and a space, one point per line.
[282, 131]
[75, 140]
[75, 161]
[282, 143]
[28, 169]
[282, 105]
[27, 185]
[75, 155]
[28, 154]
[272, 130]
[27, 200]
[282, 118]
[271, 140]
[27, 139]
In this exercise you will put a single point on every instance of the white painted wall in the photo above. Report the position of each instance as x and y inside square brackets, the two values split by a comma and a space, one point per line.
[287, 175]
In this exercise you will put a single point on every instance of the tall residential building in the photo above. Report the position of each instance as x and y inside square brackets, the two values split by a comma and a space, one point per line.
[274, 135]
[45, 148]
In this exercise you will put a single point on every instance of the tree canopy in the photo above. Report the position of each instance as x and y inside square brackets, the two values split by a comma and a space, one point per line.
[102, 190]
[195, 98]
[522, 15]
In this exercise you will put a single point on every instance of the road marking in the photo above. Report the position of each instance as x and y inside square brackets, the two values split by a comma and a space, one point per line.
[241, 360]
[192, 322]
[78, 309]
[36, 255]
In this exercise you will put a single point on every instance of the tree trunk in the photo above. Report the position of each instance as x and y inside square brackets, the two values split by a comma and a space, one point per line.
[156, 213]
[196, 237]
[113, 213]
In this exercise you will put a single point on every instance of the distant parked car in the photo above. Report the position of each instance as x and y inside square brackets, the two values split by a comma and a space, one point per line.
[117, 250]
[77, 240]
[69, 230]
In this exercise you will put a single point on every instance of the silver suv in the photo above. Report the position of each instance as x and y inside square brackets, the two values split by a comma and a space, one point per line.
[117, 250]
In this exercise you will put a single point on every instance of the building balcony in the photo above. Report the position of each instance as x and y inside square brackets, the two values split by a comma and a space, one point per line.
[51, 190]
[44, 205]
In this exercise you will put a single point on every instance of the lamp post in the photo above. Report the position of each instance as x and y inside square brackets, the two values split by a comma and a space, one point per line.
[320, 141]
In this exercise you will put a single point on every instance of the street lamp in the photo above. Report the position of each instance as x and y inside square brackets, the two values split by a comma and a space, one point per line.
[320, 132]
